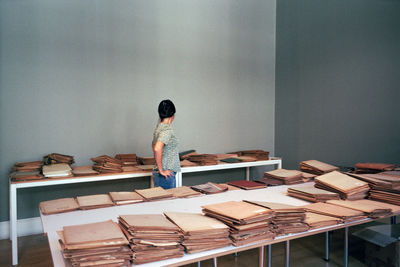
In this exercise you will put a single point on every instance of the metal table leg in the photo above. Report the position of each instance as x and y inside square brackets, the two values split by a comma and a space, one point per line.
[248, 173]
[198, 264]
[215, 262]
[287, 254]
[261, 256]
[393, 220]
[13, 224]
[327, 246]
[269, 255]
[346, 247]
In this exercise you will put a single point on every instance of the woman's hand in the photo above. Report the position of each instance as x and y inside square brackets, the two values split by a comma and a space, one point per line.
[166, 173]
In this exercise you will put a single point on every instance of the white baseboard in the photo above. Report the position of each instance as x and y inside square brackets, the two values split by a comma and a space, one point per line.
[30, 226]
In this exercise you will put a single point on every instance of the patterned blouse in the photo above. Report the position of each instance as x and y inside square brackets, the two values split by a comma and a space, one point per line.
[170, 157]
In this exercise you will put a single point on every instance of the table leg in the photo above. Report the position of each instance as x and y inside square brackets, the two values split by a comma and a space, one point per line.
[287, 254]
[327, 246]
[199, 264]
[261, 256]
[393, 220]
[13, 224]
[269, 255]
[346, 246]
[178, 178]
[280, 164]
[248, 173]
[215, 262]
[151, 181]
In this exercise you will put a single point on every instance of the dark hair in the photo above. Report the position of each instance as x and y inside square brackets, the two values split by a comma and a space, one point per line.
[166, 109]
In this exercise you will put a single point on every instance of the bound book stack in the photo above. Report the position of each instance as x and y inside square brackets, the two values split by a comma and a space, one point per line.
[54, 158]
[310, 193]
[247, 185]
[210, 188]
[146, 160]
[258, 154]
[127, 160]
[57, 170]
[287, 219]
[200, 233]
[373, 167]
[369, 207]
[389, 196]
[389, 180]
[317, 167]
[155, 193]
[185, 154]
[203, 159]
[152, 237]
[183, 192]
[23, 171]
[285, 176]
[226, 156]
[347, 187]
[315, 220]
[94, 201]
[58, 206]
[248, 223]
[100, 244]
[24, 176]
[107, 164]
[343, 213]
[187, 163]
[124, 198]
[84, 171]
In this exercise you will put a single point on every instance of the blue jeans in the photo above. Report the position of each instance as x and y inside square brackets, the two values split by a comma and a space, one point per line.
[164, 182]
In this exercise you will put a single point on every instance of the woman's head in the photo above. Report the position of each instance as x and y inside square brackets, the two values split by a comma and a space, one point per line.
[166, 109]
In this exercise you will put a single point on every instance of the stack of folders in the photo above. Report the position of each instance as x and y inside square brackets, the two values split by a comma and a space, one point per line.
[258, 154]
[95, 244]
[183, 192]
[94, 201]
[287, 219]
[373, 209]
[389, 180]
[155, 193]
[152, 237]
[58, 206]
[285, 176]
[373, 167]
[23, 171]
[185, 154]
[187, 163]
[200, 233]
[310, 193]
[344, 214]
[84, 171]
[107, 164]
[210, 188]
[248, 223]
[146, 160]
[57, 170]
[347, 187]
[203, 159]
[123, 198]
[317, 167]
[315, 220]
[127, 159]
[223, 156]
[247, 185]
[54, 158]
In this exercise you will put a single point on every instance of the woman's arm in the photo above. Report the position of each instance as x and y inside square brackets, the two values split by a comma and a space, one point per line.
[158, 151]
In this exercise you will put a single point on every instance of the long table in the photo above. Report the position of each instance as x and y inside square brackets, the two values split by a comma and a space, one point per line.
[53, 223]
[14, 186]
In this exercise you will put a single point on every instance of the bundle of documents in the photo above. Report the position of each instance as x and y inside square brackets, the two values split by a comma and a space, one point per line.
[146, 160]
[145, 168]
[57, 170]
[185, 154]
[286, 176]
[258, 154]
[269, 181]
[94, 201]
[203, 159]
[240, 158]
[200, 233]
[287, 219]
[232, 160]
[369, 207]
[58, 206]
[226, 156]
[183, 192]
[311, 193]
[127, 159]
[317, 167]
[347, 187]
[248, 222]
[54, 158]
[100, 244]
[26, 175]
[152, 237]
[123, 198]
[30, 166]
[155, 193]
[315, 220]
[187, 163]
[389, 196]
[230, 188]
[210, 188]
[107, 164]
[84, 171]
[373, 167]
[247, 185]
[389, 180]
[345, 214]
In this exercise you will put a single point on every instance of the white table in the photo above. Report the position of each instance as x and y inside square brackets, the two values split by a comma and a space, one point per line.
[53, 223]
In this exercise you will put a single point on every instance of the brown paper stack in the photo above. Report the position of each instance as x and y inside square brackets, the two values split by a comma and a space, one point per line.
[226, 156]
[183, 192]
[25, 176]
[317, 167]
[84, 171]
[315, 220]
[389, 180]
[187, 163]
[230, 188]
[58, 206]
[248, 222]
[152, 237]
[203, 159]
[373, 167]
[127, 160]
[258, 154]
[270, 181]
[286, 176]
[369, 207]
[185, 154]
[94, 201]
[345, 214]
[389, 196]
[123, 198]
[347, 187]
[287, 219]
[57, 170]
[311, 193]
[200, 233]
[100, 244]
[54, 158]
[155, 193]
[146, 160]
[30, 166]
[107, 164]
[247, 185]
[210, 188]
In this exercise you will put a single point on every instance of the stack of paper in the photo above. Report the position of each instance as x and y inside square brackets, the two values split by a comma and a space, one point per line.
[58, 206]
[24, 176]
[31, 166]
[373, 167]
[287, 219]
[57, 170]
[389, 196]
[269, 181]
[145, 167]
[200, 233]
[232, 160]
[317, 167]
[247, 185]
[286, 176]
[315, 220]
[258, 154]
[345, 214]
[152, 237]
[94, 201]
[311, 193]
[187, 163]
[127, 160]
[210, 188]
[107, 164]
[347, 187]
[226, 156]
[183, 192]
[369, 207]
[185, 154]
[100, 244]
[241, 159]
[389, 180]
[230, 188]
[84, 171]
[146, 160]
[54, 158]
[203, 159]
[155, 193]
[248, 223]
[123, 198]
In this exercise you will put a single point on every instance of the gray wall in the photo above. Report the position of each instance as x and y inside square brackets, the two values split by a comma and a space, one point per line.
[338, 81]
[85, 78]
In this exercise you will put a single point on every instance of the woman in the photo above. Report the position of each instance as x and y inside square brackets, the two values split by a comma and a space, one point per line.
[165, 147]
